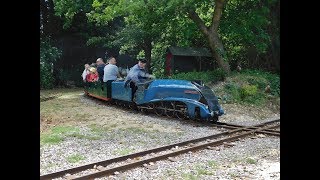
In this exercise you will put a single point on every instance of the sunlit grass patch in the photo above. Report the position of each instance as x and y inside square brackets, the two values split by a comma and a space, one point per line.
[50, 139]
[60, 133]
[251, 161]
[75, 158]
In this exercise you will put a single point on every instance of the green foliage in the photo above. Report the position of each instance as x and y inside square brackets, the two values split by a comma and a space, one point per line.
[66, 75]
[206, 76]
[248, 90]
[250, 94]
[46, 77]
[232, 92]
[69, 8]
[249, 87]
[141, 19]
[262, 79]
[245, 26]
[48, 55]
[247, 30]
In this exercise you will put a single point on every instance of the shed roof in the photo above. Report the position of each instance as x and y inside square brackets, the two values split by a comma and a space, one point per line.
[189, 51]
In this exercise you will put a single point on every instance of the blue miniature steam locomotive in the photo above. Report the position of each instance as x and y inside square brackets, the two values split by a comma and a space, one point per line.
[173, 98]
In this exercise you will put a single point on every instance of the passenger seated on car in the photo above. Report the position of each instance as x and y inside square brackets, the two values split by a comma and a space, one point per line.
[111, 72]
[137, 74]
[100, 67]
[92, 76]
[85, 72]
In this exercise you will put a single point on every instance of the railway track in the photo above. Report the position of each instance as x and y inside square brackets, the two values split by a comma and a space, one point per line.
[122, 163]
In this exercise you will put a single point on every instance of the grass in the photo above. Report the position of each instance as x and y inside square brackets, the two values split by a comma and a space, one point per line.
[212, 164]
[251, 161]
[49, 165]
[83, 136]
[96, 128]
[64, 129]
[59, 133]
[75, 158]
[199, 171]
[123, 152]
[56, 134]
[50, 139]
[81, 116]
[49, 92]
[137, 130]
[233, 175]
[189, 176]
[202, 171]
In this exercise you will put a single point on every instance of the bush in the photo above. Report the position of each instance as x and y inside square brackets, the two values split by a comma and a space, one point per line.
[249, 87]
[233, 93]
[248, 90]
[250, 94]
[46, 77]
[48, 55]
[208, 76]
[71, 75]
[262, 79]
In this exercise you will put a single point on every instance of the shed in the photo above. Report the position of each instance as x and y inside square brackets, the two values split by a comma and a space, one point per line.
[187, 59]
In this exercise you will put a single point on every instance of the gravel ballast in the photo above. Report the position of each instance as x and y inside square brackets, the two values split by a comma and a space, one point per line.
[128, 132]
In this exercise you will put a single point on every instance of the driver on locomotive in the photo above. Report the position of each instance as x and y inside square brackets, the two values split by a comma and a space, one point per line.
[137, 74]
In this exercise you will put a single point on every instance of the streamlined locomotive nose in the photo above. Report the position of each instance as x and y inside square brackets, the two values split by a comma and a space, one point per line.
[217, 113]
[221, 111]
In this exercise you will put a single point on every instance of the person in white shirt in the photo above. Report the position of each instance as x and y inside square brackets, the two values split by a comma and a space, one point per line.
[85, 72]
[111, 72]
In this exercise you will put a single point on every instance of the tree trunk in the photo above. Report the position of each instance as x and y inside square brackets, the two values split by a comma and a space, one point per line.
[211, 33]
[218, 52]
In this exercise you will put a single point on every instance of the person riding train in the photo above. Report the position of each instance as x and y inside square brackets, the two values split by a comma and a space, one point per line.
[92, 76]
[111, 73]
[137, 74]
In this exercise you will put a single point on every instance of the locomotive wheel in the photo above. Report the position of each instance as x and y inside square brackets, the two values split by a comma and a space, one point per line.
[151, 107]
[214, 119]
[197, 116]
[132, 106]
[170, 109]
[159, 109]
[181, 110]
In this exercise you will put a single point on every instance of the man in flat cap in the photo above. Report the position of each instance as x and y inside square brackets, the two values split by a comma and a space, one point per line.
[137, 74]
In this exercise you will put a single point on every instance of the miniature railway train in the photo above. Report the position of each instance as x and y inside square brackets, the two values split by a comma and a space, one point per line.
[173, 98]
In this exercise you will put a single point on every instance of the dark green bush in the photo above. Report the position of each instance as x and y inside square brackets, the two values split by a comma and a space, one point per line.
[46, 77]
[206, 76]
[232, 91]
[48, 55]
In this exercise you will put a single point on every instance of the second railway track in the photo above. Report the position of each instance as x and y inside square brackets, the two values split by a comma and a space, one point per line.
[110, 166]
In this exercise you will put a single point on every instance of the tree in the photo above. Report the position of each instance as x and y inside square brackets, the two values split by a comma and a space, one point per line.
[249, 31]
[143, 24]
[194, 9]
